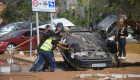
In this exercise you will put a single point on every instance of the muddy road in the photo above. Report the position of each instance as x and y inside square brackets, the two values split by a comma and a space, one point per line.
[64, 72]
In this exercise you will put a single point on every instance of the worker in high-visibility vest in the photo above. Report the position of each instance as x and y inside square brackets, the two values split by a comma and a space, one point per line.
[46, 51]
[48, 33]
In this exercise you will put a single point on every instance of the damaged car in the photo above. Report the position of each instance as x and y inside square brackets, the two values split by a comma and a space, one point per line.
[87, 49]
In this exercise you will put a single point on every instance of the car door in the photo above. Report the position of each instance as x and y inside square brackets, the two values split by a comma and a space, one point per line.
[35, 38]
[24, 38]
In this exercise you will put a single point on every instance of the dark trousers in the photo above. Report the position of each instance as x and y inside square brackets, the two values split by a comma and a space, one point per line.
[45, 56]
[122, 43]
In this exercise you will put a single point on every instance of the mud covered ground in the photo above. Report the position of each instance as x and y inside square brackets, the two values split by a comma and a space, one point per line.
[131, 65]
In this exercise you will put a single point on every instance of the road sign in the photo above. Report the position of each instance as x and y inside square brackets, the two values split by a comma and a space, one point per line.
[43, 5]
[51, 4]
[35, 3]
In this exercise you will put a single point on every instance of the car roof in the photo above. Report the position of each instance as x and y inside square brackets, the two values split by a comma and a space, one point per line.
[11, 23]
[26, 25]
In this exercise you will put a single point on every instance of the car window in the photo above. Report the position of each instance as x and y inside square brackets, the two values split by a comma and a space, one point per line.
[34, 33]
[34, 25]
[111, 27]
[13, 34]
[40, 33]
[7, 28]
[26, 34]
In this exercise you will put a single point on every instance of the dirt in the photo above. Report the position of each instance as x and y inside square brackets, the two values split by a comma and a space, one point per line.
[131, 65]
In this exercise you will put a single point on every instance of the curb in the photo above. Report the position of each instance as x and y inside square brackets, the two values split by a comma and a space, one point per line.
[19, 58]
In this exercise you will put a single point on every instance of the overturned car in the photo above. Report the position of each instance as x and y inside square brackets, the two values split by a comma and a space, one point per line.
[87, 50]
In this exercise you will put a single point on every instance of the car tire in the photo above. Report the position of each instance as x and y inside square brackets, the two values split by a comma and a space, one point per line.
[115, 61]
[74, 48]
[10, 49]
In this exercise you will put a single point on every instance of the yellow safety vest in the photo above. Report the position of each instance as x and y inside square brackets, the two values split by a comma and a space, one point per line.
[47, 46]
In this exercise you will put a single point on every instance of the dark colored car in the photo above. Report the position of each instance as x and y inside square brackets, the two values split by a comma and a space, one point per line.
[108, 26]
[88, 50]
[18, 38]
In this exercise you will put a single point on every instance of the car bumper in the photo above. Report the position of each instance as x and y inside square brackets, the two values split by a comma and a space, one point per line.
[92, 63]
[2, 48]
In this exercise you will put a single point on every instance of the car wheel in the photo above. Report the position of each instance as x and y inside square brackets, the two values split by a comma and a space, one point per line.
[74, 48]
[10, 48]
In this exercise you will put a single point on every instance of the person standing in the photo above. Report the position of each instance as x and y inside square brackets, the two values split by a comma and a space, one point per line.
[46, 51]
[122, 34]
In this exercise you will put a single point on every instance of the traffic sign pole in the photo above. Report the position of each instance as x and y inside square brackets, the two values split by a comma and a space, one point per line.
[37, 28]
[31, 36]
[51, 20]
[43, 6]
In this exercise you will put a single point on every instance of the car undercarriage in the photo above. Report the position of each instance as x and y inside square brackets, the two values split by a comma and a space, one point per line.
[87, 50]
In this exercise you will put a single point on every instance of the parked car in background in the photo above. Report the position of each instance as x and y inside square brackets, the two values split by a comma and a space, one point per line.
[60, 22]
[7, 28]
[9, 42]
[63, 21]
[27, 25]
[18, 26]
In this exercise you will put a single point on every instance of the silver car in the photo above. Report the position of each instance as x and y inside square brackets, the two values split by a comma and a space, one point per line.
[7, 28]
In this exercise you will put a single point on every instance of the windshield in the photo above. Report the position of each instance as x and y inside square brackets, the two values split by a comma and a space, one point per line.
[7, 28]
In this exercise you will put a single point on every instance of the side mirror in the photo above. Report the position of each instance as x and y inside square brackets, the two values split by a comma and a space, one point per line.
[22, 36]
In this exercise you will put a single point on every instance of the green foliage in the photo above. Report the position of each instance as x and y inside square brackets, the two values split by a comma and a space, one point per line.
[136, 11]
[72, 15]
[94, 10]
[82, 2]
[19, 10]
[125, 7]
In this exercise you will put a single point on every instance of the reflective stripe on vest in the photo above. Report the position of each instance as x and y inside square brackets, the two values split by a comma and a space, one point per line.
[47, 46]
